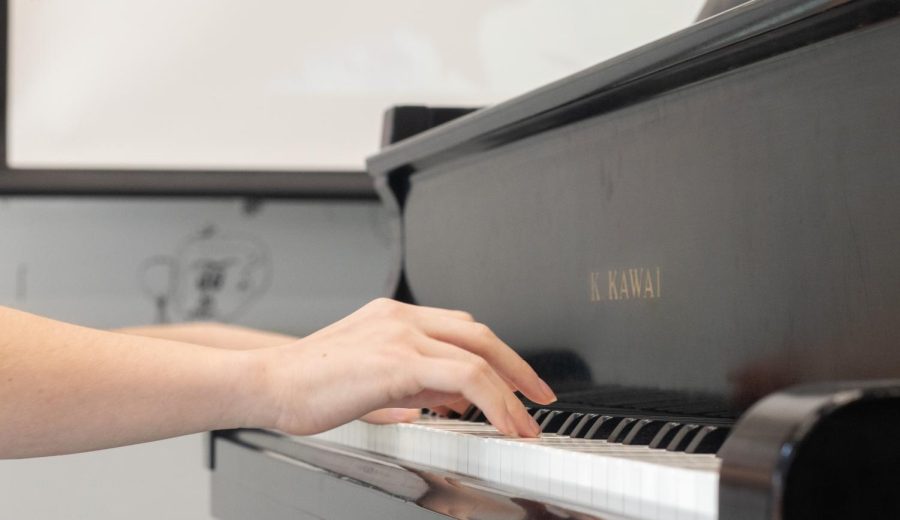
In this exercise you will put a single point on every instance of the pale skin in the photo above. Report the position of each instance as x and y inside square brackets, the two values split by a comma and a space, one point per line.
[67, 389]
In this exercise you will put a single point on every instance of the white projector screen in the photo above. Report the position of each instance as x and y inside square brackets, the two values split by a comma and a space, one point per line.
[283, 84]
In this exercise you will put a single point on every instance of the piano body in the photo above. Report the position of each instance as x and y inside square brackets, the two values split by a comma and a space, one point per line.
[696, 243]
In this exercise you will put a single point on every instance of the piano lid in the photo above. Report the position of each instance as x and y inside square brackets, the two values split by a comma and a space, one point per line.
[714, 212]
[749, 22]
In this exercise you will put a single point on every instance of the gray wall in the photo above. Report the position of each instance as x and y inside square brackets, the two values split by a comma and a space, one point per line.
[106, 263]
[158, 480]
[291, 267]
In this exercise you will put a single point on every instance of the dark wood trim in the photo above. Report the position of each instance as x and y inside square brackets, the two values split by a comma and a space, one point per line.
[187, 183]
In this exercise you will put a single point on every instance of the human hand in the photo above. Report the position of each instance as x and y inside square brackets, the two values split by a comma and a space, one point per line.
[394, 355]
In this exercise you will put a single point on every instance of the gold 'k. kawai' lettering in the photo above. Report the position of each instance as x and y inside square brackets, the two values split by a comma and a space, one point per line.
[633, 283]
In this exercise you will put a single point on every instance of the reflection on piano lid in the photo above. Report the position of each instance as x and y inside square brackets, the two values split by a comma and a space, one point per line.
[694, 243]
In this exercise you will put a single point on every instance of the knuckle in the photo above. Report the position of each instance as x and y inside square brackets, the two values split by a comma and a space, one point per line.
[381, 303]
[480, 368]
[385, 309]
[463, 315]
[471, 375]
[484, 331]
[391, 309]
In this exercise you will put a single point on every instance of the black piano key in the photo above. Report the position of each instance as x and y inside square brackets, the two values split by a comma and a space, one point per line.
[683, 438]
[602, 427]
[621, 430]
[665, 435]
[643, 432]
[480, 417]
[708, 440]
[581, 429]
[553, 420]
[453, 415]
[470, 413]
[569, 424]
[539, 415]
[534, 410]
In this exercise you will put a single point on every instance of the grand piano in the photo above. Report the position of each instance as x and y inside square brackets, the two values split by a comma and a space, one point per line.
[696, 243]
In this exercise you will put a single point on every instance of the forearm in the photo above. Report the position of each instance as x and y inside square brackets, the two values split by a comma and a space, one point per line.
[218, 335]
[65, 388]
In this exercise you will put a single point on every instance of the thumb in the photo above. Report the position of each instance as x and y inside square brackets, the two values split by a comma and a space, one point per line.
[391, 415]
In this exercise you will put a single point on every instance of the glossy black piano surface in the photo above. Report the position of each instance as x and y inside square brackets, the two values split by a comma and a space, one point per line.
[673, 235]
[706, 225]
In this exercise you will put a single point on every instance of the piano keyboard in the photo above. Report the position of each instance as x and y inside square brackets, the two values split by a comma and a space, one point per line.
[632, 480]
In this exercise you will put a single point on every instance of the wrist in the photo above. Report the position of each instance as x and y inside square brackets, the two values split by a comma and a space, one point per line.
[254, 400]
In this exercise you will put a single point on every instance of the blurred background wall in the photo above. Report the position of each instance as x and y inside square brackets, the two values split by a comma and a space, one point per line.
[274, 84]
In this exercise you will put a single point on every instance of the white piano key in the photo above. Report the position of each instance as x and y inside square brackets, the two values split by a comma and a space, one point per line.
[686, 494]
[584, 478]
[532, 465]
[649, 508]
[507, 454]
[557, 473]
[599, 482]
[542, 473]
[631, 488]
[495, 464]
[707, 503]
[472, 455]
[516, 468]
[668, 493]
[462, 447]
[615, 482]
[484, 450]
[569, 460]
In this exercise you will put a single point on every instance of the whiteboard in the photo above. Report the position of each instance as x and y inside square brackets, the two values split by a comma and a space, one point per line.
[283, 84]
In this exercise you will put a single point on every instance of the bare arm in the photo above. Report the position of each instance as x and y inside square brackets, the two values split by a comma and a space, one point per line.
[65, 388]
[211, 334]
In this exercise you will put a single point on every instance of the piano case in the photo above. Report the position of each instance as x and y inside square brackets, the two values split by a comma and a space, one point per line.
[713, 218]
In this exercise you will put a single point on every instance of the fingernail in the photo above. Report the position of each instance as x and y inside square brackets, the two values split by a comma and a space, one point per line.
[548, 393]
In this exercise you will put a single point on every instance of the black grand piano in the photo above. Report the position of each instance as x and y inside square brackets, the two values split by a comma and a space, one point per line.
[697, 243]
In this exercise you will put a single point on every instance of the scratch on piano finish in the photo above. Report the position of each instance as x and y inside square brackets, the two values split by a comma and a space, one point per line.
[695, 243]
